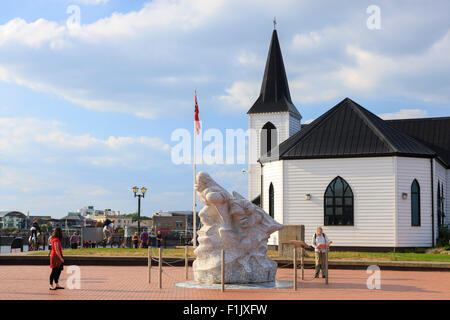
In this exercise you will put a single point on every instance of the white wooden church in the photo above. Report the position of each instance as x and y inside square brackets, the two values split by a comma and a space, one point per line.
[369, 182]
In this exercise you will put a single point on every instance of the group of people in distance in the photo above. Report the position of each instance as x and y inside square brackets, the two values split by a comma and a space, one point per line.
[138, 241]
[143, 241]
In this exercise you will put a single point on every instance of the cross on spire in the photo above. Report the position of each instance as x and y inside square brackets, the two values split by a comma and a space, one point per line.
[274, 23]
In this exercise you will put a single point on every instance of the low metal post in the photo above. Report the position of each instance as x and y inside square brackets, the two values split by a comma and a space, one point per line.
[149, 264]
[303, 262]
[223, 272]
[186, 261]
[294, 263]
[326, 265]
[160, 268]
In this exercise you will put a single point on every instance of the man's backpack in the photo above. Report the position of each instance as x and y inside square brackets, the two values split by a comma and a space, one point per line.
[323, 233]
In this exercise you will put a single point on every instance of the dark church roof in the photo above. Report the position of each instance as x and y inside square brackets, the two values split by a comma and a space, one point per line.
[349, 130]
[432, 132]
[274, 95]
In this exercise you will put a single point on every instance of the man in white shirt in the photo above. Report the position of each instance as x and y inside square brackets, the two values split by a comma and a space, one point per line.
[108, 230]
[320, 241]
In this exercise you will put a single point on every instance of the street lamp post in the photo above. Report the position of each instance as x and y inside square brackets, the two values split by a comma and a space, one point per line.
[139, 196]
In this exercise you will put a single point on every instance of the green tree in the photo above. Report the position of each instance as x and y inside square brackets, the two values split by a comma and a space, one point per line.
[134, 216]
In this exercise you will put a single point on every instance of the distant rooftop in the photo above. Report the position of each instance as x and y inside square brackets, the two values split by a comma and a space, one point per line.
[173, 213]
[11, 214]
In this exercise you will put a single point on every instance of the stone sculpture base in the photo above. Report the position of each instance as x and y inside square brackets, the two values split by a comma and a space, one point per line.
[240, 286]
[236, 273]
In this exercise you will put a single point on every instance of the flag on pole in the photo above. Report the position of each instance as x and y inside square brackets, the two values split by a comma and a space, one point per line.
[197, 120]
[194, 213]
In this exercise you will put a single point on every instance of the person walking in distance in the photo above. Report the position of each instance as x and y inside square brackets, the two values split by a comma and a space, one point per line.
[144, 239]
[320, 242]
[74, 241]
[159, 238]
[34, 230]
[56, 259]
[135, 240]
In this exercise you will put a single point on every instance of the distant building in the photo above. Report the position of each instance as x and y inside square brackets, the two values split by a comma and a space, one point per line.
[90, 211]
[174, 221]
[146, 224]
[39, 219]
[72, 222]
[120, 221]
[13, 219]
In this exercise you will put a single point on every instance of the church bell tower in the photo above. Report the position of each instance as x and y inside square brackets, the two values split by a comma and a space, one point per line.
[273, 117]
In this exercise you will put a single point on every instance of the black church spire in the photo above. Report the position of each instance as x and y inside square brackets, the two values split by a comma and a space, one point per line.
[274, 95]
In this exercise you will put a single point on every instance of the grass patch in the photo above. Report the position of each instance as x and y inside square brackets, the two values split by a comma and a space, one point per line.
[116, 252]
[333, 255]
[389, 256]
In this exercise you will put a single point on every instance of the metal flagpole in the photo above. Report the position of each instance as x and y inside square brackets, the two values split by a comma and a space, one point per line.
[194, 213]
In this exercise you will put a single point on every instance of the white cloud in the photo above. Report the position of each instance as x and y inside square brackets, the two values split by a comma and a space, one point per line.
[367, 73]
[250, 59]
[91, 66]
[307, 41]
[102, 161]
[231, 178]
[34, 34]
[33, 137]
[235, 176]
[91, 2]
[241, 95]
[404, 114]
[148, 61]
[98, 191]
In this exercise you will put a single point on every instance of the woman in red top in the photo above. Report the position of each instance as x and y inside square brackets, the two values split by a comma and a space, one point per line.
[56, 259]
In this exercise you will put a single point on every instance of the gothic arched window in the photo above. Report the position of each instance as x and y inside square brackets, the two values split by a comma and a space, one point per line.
[442, 205]
[269, 138]
[338, 203]
[415, 204]
[271, 201]
[439, 205]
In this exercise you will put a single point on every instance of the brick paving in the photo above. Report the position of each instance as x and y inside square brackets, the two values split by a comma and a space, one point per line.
[103, 283]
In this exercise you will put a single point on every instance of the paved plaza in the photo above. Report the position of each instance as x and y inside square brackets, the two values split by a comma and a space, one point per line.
[101, 282]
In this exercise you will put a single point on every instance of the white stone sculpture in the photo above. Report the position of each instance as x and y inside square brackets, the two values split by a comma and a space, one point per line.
[234, 224]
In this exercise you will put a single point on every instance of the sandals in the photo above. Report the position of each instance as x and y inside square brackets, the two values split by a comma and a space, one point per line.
[55, 288]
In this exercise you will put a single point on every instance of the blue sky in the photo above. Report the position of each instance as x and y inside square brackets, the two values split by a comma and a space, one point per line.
[87, 113]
